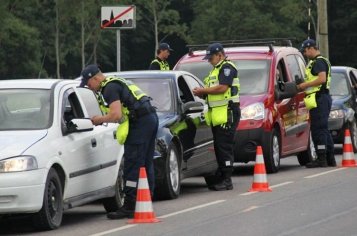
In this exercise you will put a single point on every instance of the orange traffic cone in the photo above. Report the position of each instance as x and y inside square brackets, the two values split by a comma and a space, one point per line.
[348, 158]
[260, 183]
[143, 209]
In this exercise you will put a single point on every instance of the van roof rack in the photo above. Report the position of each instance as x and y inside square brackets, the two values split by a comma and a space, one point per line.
[270, 42]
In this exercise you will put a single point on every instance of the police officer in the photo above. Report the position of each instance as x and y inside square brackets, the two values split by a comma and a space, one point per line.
[160, 63]
[318, 101]
[222, 94]
[120, 95]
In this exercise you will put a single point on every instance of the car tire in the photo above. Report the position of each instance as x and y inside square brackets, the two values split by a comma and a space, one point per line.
[308, 155]
[113, 204]
[353, 131]
[272, 153]
[170, 186]
[51, 213]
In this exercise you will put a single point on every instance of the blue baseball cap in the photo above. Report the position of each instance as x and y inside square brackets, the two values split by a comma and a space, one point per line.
[165, 46]
[88, 72]
[306, 44]
[213, 49]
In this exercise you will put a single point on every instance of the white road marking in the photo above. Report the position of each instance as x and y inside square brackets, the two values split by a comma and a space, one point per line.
[324, 173]
[273, 186]
[249, 209]
[113, 230]
[164, 216]
[282, 184]
[191, 209]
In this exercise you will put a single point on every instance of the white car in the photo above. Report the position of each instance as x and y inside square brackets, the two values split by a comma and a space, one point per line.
[52, 158]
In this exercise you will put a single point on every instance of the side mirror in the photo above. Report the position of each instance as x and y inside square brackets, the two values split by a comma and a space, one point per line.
[79, 125]
[298, 80]
[290, 90]
[193, 107]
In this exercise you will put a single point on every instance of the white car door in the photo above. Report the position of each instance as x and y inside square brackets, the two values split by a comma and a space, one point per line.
[90, 158]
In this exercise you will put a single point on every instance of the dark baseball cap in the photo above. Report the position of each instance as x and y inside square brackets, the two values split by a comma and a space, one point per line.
[165, 46]
[88, 72]
[306, 44]
[213, 49]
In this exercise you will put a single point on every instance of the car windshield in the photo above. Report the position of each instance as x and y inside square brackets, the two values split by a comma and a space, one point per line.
[158, 89]
[253, 74]
[24, 109]
[339, 85]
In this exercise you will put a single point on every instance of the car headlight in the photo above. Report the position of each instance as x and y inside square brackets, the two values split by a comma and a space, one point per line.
[21, 163]
[336, 114]
[253, 112]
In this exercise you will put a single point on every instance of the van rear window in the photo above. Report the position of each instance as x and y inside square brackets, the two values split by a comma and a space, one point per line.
[253, 74]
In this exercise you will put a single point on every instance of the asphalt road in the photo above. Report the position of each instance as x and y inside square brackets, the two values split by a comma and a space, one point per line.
[318, 201]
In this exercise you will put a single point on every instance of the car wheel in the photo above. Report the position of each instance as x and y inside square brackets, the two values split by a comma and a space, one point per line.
[272, 153]
[353, 131]
[50, 215]
[169, 187]
[308, 155]
[113, 204]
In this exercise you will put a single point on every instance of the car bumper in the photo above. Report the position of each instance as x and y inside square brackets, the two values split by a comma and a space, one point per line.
[337, 129]
[22, 192]
[246, 142]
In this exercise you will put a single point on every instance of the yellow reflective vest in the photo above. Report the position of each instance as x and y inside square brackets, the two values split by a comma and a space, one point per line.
[311, 77]
[218, 103]
[123, 128]
[163, 64]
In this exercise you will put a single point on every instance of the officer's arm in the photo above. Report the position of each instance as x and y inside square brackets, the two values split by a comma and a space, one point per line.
[221, 88]
[320, 80]
[113, 116]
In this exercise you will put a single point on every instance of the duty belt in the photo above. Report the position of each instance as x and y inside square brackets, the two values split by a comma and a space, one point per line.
[140, 112]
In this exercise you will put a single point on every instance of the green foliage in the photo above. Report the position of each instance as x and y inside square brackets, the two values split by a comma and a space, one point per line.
[28, 31]
[20, 50]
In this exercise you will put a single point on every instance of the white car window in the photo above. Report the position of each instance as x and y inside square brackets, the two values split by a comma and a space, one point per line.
[90, 102]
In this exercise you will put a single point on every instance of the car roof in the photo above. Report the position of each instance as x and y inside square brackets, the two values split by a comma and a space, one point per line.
[149, 73]
[340, 68]
[33, 83]
[245, 52]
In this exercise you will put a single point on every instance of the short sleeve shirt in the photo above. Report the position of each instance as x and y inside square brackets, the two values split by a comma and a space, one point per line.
[226, 75]
[320, 65]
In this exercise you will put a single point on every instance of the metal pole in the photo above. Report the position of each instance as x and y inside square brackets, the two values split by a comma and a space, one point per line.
[323, 29]
[118, 50]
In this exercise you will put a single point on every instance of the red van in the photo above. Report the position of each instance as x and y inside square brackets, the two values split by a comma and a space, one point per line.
[274, 115]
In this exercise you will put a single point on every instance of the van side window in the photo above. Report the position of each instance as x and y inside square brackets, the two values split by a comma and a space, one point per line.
[294, 67]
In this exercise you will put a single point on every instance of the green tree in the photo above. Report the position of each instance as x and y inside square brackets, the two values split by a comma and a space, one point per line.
[19, 45]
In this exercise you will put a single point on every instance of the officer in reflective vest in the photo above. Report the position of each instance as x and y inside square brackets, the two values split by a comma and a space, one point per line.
[318, 101]
[160, 63]
[222, 94]
[117, 95]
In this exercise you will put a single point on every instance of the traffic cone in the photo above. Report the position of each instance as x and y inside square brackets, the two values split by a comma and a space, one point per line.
[348, 158]
[260, 183]
[143, 209]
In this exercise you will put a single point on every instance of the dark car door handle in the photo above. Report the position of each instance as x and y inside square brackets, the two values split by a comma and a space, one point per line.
[94, 142]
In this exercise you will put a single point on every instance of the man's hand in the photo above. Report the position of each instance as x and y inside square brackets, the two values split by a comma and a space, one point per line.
[198, 91]
[97, 120]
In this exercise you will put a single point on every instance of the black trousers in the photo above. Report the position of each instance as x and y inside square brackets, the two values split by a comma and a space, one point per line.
[223, 137]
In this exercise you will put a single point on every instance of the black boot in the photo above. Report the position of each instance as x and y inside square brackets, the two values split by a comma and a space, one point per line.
[226, 181]
[126, 211]
[226, 184]
[214, 179]
[330, 158]
[319, 162]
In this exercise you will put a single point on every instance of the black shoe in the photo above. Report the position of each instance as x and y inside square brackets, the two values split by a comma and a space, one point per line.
[316, 164]
[331, 161]
[226, 184]
[120, 214]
